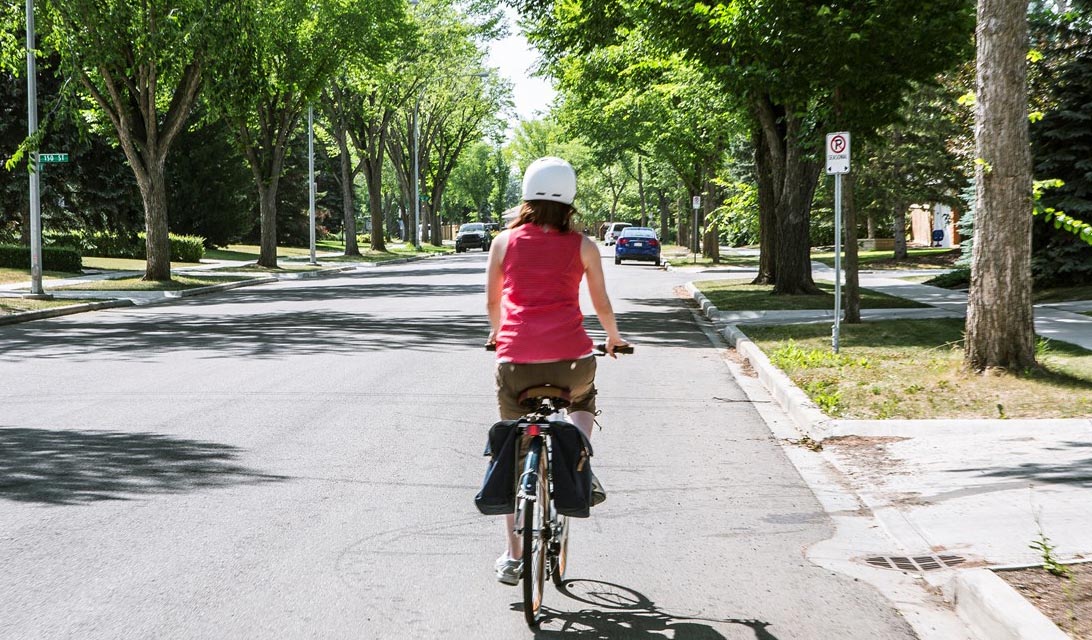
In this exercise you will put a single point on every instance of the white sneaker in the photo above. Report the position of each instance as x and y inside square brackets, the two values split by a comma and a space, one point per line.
[509, 570]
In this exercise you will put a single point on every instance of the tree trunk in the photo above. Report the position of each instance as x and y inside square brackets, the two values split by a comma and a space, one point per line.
[710, 239]
[849, 223]
[1000, 329]
[157, 243]
[767, 214]
[898, 228]
[665, 214]
[871, 222]
[267, 206]
[641, 191]
[351, 248]
[794, 175]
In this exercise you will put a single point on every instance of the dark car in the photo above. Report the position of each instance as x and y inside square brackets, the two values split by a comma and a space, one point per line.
[472, 235]
[637, 243]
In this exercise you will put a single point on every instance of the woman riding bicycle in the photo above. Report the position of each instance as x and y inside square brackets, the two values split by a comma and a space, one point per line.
[533, 298]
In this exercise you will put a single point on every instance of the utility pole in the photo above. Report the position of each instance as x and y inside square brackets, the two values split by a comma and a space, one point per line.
[311, 175]
[35, 166]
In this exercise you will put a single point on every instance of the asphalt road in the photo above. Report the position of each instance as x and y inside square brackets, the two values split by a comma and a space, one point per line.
[298, 460]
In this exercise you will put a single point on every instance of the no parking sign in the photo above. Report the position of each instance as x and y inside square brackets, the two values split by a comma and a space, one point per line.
[838, 153]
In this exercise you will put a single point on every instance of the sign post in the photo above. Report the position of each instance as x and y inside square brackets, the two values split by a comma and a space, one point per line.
[837, 165]
[696, 201]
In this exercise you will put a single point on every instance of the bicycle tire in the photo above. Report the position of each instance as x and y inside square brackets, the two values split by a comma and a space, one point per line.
[560, 559]
[535, 531]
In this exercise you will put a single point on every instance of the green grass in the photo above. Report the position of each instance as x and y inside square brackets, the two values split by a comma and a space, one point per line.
[680, 256]
[912, 369]
[1064, 294]
[9, 306]
[740, 295]
[136, 284]
[9, 275]
[252, 252]
[126, 264]
[934, 258]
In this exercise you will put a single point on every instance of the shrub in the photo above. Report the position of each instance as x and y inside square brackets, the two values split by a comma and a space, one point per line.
[186, 248]
[958, 278]
[112, 245]
[54, 258]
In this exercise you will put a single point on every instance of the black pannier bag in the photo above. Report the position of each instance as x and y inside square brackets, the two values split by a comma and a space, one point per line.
[571, 468]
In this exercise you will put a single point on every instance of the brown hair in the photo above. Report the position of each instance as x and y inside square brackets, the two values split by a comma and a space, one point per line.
[545, 212]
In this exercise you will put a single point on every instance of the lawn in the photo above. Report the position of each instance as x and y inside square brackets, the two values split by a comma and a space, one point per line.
[741, 295]
[9, 275]
[10, 306]
[912, 369]
[126, 264]
[680, 256]
[136, 284]
[916, 259]
[252, 252]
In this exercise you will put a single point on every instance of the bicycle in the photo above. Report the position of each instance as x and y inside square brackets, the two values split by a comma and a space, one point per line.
[545, 531]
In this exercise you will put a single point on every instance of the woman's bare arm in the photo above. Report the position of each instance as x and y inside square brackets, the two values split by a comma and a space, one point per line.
[495, 282]
[597, 288]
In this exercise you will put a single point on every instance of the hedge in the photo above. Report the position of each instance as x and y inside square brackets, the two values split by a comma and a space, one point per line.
[110, 245]
[54, 258]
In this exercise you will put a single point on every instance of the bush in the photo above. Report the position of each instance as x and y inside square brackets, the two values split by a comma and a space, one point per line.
[111, 245]
[54, 258]
[958, 278]
[186, 248]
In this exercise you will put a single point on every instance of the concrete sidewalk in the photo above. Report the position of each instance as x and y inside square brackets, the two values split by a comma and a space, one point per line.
[980, 491]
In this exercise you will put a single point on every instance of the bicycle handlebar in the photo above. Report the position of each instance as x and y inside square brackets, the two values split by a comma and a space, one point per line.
[601, 348]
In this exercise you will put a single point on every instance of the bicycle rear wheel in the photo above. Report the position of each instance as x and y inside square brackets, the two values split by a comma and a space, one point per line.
[535, 534]
[559, 548]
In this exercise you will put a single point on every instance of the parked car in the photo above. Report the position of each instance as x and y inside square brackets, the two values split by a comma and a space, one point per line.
[613, 231]
[637, 243]
[472, 235]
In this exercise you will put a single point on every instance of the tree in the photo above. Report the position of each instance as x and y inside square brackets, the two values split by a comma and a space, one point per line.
[1000, 328]
[778, 59]
[292, 50]
[142, 65]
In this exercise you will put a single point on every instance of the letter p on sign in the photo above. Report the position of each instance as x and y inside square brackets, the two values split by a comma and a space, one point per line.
[838, 152]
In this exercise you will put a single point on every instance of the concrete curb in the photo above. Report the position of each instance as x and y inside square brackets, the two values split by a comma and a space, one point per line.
[186, 293]
[995, 610]
[805, 414]
[42, 314]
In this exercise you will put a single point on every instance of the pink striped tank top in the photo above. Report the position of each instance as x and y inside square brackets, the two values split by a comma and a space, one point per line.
[540, 305]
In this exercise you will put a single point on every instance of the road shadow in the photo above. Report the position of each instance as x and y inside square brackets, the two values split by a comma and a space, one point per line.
[71, 467]
[1077, 473]
[622, 612]
[261, 335]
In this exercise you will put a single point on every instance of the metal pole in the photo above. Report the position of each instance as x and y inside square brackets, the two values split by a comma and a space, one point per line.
[694, 236]
[417, 172]
[835, 334]
[35, 165]
[311, 174]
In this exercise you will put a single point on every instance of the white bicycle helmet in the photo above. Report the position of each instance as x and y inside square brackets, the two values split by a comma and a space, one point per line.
[550, 178]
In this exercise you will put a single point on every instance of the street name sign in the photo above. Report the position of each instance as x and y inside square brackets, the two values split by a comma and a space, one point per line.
[53, 157]
[837, 153]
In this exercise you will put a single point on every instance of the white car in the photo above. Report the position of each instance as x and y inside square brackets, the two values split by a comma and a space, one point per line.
[614, 230]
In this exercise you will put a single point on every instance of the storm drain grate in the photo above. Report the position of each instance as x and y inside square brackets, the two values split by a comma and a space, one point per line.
[915, 563]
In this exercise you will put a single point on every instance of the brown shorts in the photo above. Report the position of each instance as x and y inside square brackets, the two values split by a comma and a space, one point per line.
[578, 376]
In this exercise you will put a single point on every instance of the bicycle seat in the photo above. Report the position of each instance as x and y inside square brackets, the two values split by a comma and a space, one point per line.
[532, 397]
